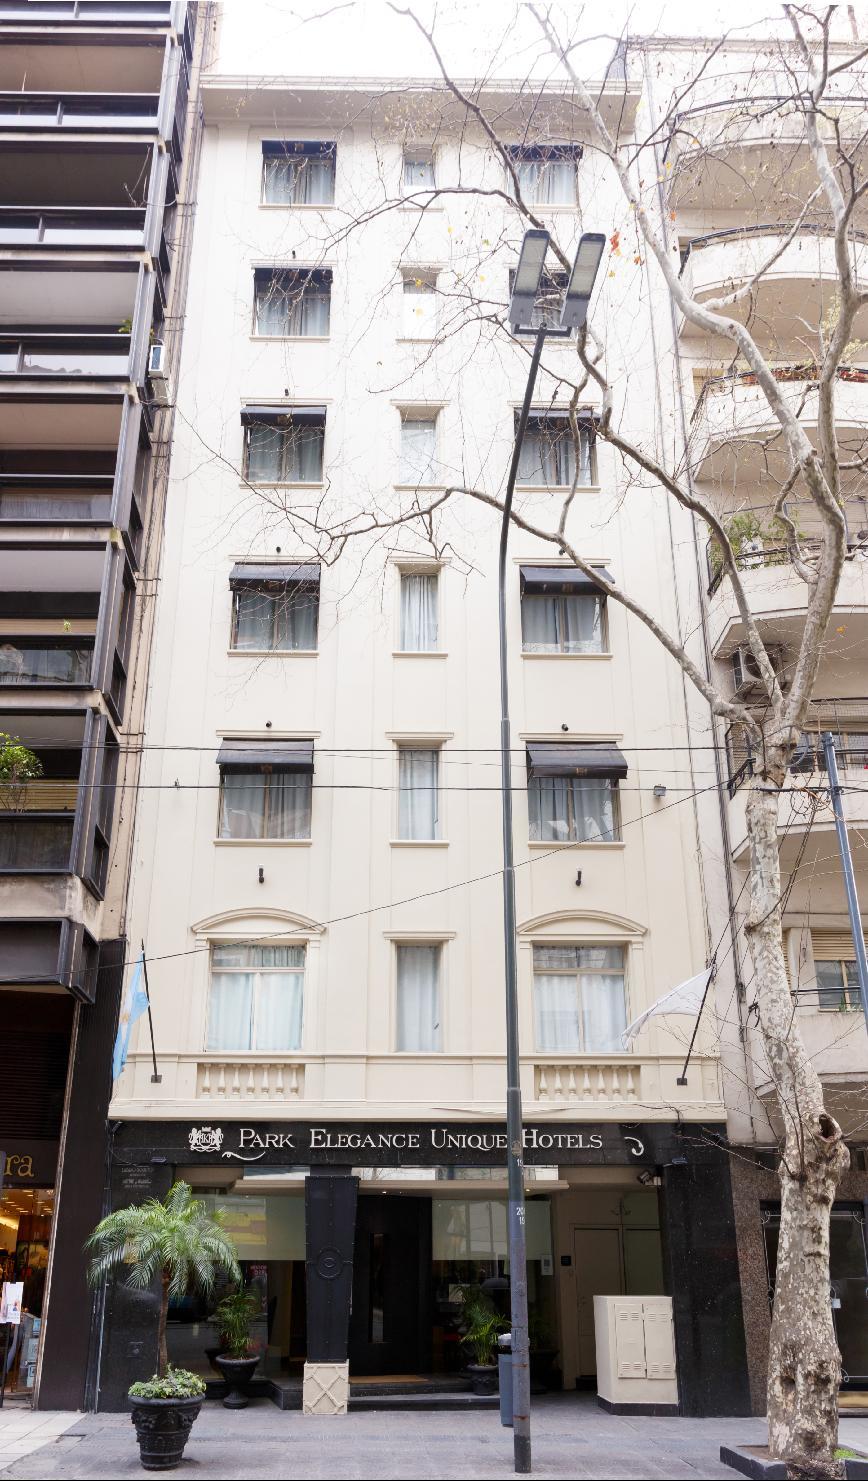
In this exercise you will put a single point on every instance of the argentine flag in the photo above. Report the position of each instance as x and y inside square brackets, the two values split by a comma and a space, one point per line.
[133, 1005]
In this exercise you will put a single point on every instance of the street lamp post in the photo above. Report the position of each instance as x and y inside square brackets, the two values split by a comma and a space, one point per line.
[528, 276]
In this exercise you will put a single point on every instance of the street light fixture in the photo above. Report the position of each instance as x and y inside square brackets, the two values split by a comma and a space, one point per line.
[528, 277]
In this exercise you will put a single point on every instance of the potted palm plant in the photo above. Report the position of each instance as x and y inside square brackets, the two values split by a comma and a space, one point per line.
[179, 1243]
[482, 1323]
[237, 1357]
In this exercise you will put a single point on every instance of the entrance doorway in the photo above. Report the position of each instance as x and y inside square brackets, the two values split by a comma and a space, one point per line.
[614, 1251]
[390, 1326]
[848, 1270]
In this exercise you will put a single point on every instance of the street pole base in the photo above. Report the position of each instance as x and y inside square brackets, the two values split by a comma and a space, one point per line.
[521, 1454]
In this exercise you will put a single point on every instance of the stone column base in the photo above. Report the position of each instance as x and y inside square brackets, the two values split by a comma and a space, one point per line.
[326, 1388]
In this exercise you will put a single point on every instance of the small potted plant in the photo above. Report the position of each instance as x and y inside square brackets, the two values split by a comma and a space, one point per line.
[179, 1243]
[237, 1357]
[482, 1323]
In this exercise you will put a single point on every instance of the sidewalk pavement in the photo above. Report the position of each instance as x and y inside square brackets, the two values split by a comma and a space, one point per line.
[572, 1437]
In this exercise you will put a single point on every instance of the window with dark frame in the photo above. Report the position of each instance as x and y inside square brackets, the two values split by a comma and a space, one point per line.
[292, 303]
[283, 444]
[572, 792]
[265, 789]
[298, 172]
[547, 174]
[275, 609]
[562, 611]
[548, 451]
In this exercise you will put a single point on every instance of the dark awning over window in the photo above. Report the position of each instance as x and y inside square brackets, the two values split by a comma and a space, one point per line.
[590, 759]
[559, 416]
[289, 147]
[249, 755]
[560, 581]
[263, 276]
[276, 575]
[283, 416]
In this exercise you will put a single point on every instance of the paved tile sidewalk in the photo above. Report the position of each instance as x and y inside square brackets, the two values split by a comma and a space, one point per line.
[22, 1430]
[572, 1437]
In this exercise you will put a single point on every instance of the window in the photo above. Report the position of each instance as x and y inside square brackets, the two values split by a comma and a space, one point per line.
[418, 171]
[419, 611]
[418, 450]
[561, 611]
[284, 444]
[274, 608]
[418, 1006]
[547, 176]
[256, 1001]
[548, 452]
[298, 173]
[420, 306]
[572, 792]
[580, 1004]
[418, 793]
[296, 303]
[835, 966]
[265, 789]
[549, 300]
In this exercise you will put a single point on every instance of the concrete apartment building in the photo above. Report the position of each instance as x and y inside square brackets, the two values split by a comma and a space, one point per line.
[315, 865]
[93, 126]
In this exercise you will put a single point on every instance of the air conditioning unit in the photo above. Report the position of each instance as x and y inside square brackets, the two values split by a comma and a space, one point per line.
[158, 374]
[745, 673]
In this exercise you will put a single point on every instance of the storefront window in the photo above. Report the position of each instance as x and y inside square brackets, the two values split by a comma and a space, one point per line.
[268, 1230]
[25, 1232]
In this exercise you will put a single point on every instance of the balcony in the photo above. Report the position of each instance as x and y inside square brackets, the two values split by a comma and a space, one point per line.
[36, 499]
[78, 113]
[58, 459]
[82, 15]
[94, 228]
[59, 298]
[36, 174]
[104, 66]
[790, 301]
[45, 662]
[72, 356]
[735, 439]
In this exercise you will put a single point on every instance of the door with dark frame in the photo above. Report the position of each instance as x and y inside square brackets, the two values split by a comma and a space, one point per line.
[390, 1325]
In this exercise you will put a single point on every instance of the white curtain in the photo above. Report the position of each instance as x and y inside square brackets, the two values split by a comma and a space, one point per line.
[420, 310]
[278, 1010]
[295, 618]
[547, 182]
[418, 172]
[259, 1007]
[556, 1011]
[231, 1009]
[243, 804]
[278, 455]
[419, 612]
[547, 458]
[294, 310]
[579, 999]
[289, 794]
[561, 624]
[303, 180]
[254, 619]
[418, 793]
[570, 809]
[264, 453]
[418, 998]
[604, 1015]
[418, 447]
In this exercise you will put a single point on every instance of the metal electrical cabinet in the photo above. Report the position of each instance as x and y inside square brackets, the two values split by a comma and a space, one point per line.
[635, 1352]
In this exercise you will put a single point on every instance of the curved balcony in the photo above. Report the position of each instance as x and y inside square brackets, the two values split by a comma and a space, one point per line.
[791, 299]
[734, 434]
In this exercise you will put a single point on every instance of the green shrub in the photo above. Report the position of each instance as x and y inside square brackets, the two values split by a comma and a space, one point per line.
[177, 1383]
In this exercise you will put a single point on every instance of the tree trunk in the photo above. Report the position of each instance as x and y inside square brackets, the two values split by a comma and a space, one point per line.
[162, 1350]
[804, 1362]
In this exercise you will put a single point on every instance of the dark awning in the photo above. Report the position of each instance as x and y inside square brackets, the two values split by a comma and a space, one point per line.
[277, 575]
[289, 147]
[249, 755]
[560, 581]
[590, 759]
[265, 275]
[559, 414]
[283, 416]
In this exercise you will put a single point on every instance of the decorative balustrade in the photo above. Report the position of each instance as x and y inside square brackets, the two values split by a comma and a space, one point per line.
[587, 1081]
[249, 1079]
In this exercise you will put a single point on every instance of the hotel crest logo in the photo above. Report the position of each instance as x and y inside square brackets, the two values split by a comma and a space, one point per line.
[205, 1138]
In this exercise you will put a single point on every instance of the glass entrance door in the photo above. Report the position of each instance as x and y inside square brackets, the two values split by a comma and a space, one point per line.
[848, 1269]
[390, 1326]
[25, 1233]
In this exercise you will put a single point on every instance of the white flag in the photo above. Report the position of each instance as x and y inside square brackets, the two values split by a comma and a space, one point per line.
[685, 998]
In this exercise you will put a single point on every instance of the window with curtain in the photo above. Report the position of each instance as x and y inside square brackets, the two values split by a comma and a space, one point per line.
[547, 176]
[418, 1004]
[265, 804]
[580, 1004]
[420, 306]
[573, 809]
[548, 454]
[562, 624]
[292, 304]
[256, 999]
[292, 454]
[418, 793]
[298, 174]
[419, 611]
[418, 450]
[418, 171]
[275, 616]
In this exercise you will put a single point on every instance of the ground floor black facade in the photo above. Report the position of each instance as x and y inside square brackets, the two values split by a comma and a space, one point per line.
[360, 1238]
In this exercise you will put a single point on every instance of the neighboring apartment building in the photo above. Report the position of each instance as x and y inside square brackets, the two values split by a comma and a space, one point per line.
[93, 127]
[316, 871]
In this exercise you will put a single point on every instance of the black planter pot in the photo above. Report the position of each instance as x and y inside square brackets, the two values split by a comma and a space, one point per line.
[162, 1427]
[483, 1377]
[237, 1372]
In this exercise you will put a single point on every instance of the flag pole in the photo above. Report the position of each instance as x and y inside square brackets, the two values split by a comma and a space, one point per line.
[156, 1079]
[682, 1078]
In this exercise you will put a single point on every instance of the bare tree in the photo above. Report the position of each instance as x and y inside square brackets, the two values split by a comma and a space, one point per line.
[800, 85]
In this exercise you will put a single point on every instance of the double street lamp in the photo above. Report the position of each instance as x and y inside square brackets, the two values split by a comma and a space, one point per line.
[526, 286]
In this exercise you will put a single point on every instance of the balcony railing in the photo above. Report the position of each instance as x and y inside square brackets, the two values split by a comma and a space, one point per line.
[86, 12]
[33, 843]
[118, 227]
[847, 719]
[778, 229]
[588, 1081]
[80, 112]
[35, 662]
[250, 1079]
[37, 498]
[91, 355]
[765, 545]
